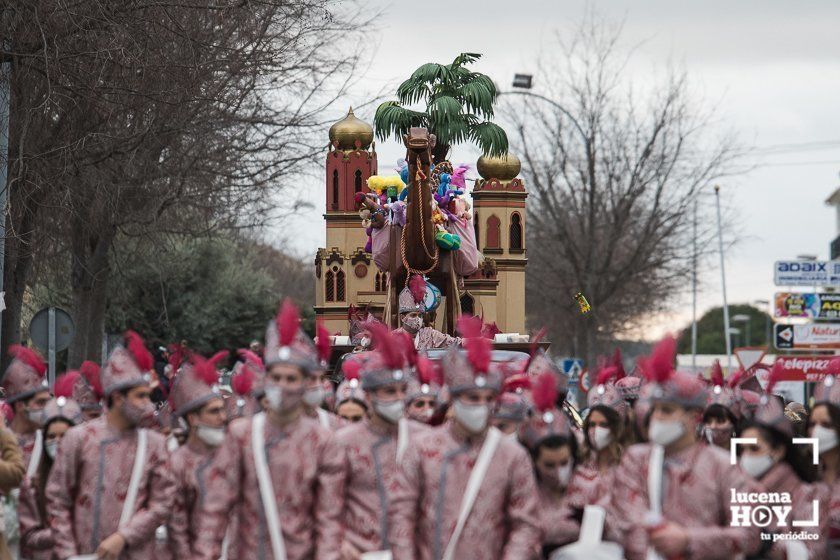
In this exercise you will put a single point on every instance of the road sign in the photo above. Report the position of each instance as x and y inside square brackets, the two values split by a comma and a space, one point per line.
[807, 305]
[52, 330]
[823, 336]
[571, 365]
[584, 383]
[748, 356]
[807, 273]
[805, 368]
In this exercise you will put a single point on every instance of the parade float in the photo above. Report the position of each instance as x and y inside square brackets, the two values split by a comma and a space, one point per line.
[427, 217]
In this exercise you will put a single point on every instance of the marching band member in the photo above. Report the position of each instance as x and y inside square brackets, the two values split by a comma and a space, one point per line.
[691, 517]
[824, 424]
[111, 486]
[350, 402]
[433, 514]
[60, 414]
[424, 393]
[509, 413]
[553, 449]
[196, 401]
[279, 472]
[373, 448]
[316, 386]
[27, 393]
[780, 468]
[87, 390]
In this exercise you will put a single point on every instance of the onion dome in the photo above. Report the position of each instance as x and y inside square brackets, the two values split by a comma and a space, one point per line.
[502, 168]
[349, 129]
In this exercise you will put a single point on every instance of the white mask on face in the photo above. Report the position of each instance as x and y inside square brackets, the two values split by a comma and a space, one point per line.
[390, 411]
[756, 465]
[473, 417]
[36, 416]
[564, 474]
[314, 397]
[211, 436]
[665, 433]
[364, 342]
[827, 438]
[413, 324]
[601, 437]
[282, 400]
[51, 447]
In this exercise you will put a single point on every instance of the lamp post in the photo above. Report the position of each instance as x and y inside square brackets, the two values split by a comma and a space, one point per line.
[723, 283]
[733, 332]
[745, 320]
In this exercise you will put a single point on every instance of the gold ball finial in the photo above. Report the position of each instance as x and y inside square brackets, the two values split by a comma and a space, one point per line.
[348, 130]
[503, 168]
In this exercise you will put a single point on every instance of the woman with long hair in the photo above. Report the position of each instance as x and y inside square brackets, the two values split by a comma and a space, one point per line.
[720, 423]
[36, 538]
[769, 456]
[824, 425]
[606, 434]
[553, 449]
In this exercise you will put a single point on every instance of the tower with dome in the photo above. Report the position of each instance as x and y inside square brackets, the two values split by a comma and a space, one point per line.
[345, 273]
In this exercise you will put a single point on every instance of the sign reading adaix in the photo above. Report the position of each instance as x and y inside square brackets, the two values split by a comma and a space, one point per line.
[807, 273]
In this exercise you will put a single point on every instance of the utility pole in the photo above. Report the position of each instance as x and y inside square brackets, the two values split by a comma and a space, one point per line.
[723, 284]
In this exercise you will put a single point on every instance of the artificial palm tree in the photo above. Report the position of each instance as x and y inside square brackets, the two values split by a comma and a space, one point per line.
[459, 103]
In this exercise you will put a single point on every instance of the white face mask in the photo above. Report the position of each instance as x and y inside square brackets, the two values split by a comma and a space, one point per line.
[601, 437]
[51, 447]
[211, 436]
[390, 411]
[473, 417]
[665, 433]
[314, 397]
[756, 465]
[564, 474]
[35, 416]
[364, 342]
[280, 400]
[412, 324]
[826, 437]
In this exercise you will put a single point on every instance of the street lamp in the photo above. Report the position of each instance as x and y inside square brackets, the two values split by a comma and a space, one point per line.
[745, 319]
[736, 332]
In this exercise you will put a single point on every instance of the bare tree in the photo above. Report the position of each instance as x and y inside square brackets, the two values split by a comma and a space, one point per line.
[160, 117]
[613, 179]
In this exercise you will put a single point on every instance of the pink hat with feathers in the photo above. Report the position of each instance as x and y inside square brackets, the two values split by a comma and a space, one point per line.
[127, 366]
[351, 387]
[388, 362]
[196, 384]
[672, 386]
[63, 405]
[286, 343]
[770, 411]
[511, 406]
[546, 420]
[412, 297]
[605, 393]
[828, 391]
[470, 367]
[540, 363]
[87, 386]
[427, 381]
[25, 375]
[719, 392]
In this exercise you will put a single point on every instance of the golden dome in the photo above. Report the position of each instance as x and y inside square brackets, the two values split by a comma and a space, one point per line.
[502, 168]
[348, 130]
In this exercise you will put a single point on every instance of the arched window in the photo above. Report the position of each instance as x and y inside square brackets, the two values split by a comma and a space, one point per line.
[329, 286]
[475, 225]
[358, 180]
[335, 189]
[467, 304]
[339, 286]
[515, 232]
[494, 226]
[380, 284]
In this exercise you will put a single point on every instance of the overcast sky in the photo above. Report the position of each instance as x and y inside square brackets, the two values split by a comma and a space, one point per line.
[772, 68]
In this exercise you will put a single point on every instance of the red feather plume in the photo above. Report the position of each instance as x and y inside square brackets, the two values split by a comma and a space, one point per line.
[137, 348]
[64, 384]
[469, 326]
[406, 343]
[515, 382]
[350, 369]
[91, 372]
[735, 378]
[251, 358]
[490, 330]
[417, 287]
[205, 369]
[717, 374]
[479, 353]
[243, 382]
[322, 342]
[544, 391]
[428, 371]
[618, 364]
[29, 357]
[605, 374]
[288, 321]
[660, 364]
[386, 346]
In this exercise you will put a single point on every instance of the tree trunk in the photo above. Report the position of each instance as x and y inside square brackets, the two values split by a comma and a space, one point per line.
[440, 152]
[89, 280]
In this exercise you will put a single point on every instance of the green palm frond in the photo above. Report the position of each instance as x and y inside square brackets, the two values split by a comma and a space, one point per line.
[490, 138]
[444, 109]
[393, 119]
[453, 132]
[466, 58]
[478, 98]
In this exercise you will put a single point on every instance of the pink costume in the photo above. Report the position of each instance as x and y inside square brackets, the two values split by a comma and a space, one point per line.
[428, 337]
[305, 466]
[504, 521]
[23, 379]
[557, 517]
[88, 485]
[697, 486]
[370, 465]
[590, 486]
[190, 466]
